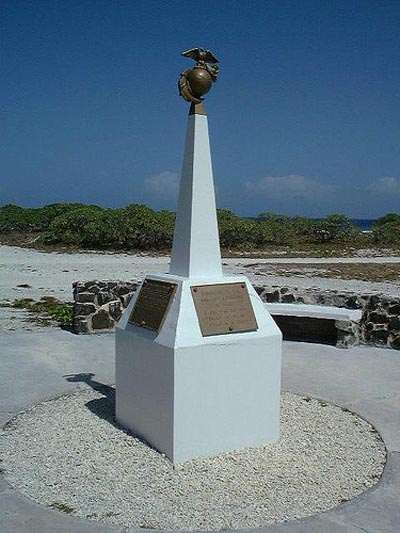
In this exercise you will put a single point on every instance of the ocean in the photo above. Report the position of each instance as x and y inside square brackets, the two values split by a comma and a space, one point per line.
[363, 224]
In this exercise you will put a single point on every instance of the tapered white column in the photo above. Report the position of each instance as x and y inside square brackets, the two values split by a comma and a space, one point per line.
[186, 393]
[196, 250]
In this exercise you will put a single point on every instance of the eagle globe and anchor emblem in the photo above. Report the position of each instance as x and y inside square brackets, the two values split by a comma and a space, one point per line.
[195, 82]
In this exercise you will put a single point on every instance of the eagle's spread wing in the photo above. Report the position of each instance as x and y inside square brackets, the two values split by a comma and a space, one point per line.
[210, 57]
[193, 53]
[200, 53]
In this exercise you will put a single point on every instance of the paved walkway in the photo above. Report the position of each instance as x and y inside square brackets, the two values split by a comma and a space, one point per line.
[367, 380]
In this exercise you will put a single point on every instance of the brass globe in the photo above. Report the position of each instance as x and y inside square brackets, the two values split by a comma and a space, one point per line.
[200, 81]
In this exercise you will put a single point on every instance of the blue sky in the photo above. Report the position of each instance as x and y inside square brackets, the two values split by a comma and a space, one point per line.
[304, 119]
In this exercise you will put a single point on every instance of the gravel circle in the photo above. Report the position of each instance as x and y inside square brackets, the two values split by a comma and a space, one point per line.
[69, 454]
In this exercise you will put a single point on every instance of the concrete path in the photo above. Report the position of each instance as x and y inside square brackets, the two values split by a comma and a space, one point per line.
[366, 380]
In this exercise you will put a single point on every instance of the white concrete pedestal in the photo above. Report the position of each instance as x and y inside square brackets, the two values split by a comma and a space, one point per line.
[191, 396]
[185, 394]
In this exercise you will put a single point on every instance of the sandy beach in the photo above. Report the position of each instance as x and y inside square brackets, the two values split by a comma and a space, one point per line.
[28, 273]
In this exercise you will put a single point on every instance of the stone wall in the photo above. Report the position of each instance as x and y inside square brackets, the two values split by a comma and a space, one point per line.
[380, 322]
[99, 304]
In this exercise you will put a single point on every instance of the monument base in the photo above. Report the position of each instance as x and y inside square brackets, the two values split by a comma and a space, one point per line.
[190, 395]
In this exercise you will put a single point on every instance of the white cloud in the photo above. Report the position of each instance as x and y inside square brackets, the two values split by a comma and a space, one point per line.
[386, 185]
[163, 185]
[289, 187]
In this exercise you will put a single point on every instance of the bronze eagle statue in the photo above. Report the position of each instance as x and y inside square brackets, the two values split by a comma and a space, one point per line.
[200, 55]
[195, 82]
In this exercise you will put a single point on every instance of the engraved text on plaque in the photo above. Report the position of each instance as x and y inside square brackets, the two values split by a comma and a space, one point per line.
[223, 308]
[152, 304]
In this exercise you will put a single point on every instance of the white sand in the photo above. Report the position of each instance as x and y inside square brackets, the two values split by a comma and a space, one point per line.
[52, 274]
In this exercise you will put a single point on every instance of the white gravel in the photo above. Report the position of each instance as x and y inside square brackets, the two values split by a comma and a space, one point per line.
[68, 453]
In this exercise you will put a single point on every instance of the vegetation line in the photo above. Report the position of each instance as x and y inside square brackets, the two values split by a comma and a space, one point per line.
[140, 228]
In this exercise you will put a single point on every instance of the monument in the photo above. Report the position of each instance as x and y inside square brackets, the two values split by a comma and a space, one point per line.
[198, 357]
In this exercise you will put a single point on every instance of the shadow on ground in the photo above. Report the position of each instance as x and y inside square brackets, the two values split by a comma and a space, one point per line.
[101, 407]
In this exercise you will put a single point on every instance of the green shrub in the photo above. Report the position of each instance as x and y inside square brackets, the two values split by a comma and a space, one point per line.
[282, 229]
[48, 306]
[52, 211]
[16, 218]
[277, 229]
[335, 227]
[148, 229]
[76, 227]
[236, 232]
[138, 227]
[386, 230]
[389, 218]
[134, 227]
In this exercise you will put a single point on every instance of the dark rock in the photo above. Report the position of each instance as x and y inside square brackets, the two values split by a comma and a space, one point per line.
[104, 297]
[394, 323]
[395, 342]
[126, 298]
[377, 318]
[284, 290]
[122, 289]
[92, 287]
[81, 326]
[394, 309]
[353, 303]
[379, 336]
[102, 320]
[84, 297]
[288, 298]
[374, 300]
[272, 297]
[79, 288]
[84, 309]
[115, 309]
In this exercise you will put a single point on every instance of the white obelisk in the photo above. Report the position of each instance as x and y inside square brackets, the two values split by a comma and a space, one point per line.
[196, 250]
[185, 393]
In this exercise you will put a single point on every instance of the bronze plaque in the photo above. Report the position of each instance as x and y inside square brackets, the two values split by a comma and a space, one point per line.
[223, 308]
[152, 304]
